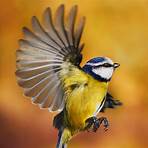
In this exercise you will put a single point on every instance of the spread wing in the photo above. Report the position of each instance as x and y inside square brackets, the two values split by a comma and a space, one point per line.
[110, 102]
[42, 54]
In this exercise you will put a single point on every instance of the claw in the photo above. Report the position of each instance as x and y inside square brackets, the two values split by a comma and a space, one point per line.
[94, 123]
[104, 121]
[90, 122]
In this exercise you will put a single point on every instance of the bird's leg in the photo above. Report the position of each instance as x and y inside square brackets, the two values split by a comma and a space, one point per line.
[94, 123]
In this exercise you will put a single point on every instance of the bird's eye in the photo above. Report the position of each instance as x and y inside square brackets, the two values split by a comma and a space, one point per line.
[107, 65]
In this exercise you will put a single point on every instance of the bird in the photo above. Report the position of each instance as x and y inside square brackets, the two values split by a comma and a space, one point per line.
[48, 68]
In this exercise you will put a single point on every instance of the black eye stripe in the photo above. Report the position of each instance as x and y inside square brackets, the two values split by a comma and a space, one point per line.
[107, 65]
[104, 65]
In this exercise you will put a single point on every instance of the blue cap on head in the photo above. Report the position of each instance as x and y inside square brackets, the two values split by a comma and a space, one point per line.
[97, 60]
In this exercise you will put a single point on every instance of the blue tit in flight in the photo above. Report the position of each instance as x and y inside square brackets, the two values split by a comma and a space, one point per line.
[48, 68]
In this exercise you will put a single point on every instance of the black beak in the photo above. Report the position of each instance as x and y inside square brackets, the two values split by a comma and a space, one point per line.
[115, 65]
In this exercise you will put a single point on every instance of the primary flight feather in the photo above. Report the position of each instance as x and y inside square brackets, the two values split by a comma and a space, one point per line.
[48, 68]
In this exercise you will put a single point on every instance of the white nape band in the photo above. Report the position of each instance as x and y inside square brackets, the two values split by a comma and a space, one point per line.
[95, 64]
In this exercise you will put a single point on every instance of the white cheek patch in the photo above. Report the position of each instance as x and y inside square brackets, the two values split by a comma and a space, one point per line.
[104, 72]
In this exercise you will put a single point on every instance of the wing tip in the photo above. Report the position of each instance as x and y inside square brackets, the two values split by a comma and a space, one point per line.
[61, 8]
[47, 11]
[24, 29]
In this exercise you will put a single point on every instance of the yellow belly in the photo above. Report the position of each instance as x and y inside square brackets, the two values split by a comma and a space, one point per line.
[84, 101]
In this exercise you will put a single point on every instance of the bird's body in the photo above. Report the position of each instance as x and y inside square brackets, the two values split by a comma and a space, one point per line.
[85, 96]
[48, 68]
[82, 90]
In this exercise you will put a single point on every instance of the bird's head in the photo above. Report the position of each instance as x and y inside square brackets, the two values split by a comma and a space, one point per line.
[101, 68]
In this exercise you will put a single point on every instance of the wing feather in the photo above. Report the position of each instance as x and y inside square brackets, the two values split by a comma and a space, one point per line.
[59, 25]
[39, 31]
[110, 102]
[49, 27]
[35, 40]
[70, 24]
[79, 31]
[46, 54]
[51, 93]
[57, 102]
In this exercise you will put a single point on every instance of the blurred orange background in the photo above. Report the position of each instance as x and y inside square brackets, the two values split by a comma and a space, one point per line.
[114, 28]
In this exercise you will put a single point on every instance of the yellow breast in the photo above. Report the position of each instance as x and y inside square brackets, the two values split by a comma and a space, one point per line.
[84, 96]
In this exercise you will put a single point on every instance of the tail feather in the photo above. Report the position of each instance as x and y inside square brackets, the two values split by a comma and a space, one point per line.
[64, 146]
[60, 144]
[64, 134]
[59, 140]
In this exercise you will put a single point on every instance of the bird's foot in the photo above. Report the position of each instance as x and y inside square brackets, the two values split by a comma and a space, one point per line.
[94, 123]
[104, 121]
